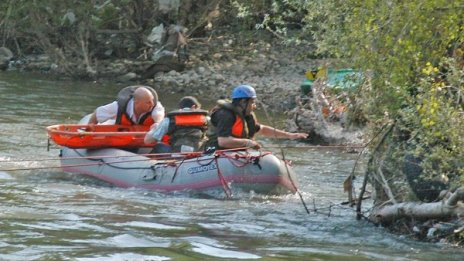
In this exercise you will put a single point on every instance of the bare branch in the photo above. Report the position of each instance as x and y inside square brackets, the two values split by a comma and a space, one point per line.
[421, 211]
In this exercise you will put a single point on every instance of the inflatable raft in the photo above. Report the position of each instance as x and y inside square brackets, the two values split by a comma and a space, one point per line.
[242, 170]
[101, 152]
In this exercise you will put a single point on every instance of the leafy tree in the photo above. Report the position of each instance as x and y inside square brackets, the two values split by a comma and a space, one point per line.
[413, 54]
[75, 33]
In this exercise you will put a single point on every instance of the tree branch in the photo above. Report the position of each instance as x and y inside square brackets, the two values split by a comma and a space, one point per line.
[421, 211]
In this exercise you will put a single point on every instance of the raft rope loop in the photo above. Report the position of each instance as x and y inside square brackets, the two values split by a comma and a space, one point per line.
[235, 159]
[225, 185]
[111, 163]
[286, 165]
[241, 160]
[177, 168]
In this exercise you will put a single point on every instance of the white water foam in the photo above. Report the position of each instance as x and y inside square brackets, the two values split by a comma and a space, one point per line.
[4, 175]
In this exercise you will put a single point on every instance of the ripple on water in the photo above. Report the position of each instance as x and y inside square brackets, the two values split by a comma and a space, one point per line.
[222, 253]
[124, 257]
[127, 241]
[5, 175]
[153, 225]
[68, 225]
[211, 247]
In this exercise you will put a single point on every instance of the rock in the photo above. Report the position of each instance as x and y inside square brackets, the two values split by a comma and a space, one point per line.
[157, 34]
[201, 70]
[219, 77]
[131, 76]
[53, 66]
[172, 73]
[6, 55]
[164, 64]
[217, 56]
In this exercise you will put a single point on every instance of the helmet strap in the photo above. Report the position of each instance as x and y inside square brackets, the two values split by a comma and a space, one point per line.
[245, 104]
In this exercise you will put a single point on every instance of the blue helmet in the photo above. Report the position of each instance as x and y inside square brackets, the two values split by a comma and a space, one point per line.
[243, 91]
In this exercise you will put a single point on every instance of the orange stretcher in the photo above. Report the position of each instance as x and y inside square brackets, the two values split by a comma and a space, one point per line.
[98, 136]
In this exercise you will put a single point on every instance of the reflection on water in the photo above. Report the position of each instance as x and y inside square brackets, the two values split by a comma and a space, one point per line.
[46, 214]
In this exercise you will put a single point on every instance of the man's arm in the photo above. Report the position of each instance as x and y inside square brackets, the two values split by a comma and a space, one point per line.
[232, 142]
[158, 115]
[105, 112]
[157, 133]
[280, 134]
[93, 118]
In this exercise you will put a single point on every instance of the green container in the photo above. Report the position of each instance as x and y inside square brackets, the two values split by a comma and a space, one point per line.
[306, 86]
[343, 79]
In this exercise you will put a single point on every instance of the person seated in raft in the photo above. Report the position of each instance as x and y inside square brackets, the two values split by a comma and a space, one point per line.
[135, 105]
[185, 127]
[234, 125]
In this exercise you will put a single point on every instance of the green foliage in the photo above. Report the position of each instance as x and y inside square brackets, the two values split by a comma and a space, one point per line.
[413, 51]
[53, 27]
[73, 32]
[276, 16]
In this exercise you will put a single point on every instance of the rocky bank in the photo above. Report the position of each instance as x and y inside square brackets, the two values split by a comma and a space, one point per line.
[215, 65]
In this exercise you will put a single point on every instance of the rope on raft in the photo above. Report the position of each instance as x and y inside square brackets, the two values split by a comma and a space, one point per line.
[354, 146]
[157, 155]
[233, 158]
[150, 156]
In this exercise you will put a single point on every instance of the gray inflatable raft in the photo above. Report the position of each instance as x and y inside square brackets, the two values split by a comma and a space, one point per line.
[261, 172]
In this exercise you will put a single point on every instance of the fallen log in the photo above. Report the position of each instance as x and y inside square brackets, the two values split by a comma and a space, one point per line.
[445, 209]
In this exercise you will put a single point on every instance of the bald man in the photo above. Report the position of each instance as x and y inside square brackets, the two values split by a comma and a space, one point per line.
[135, 105]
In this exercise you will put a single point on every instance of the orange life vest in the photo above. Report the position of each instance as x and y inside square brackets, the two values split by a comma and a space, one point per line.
[146, 120]
[187, 128]
[243, 126]
[240, 128]
[181, 119]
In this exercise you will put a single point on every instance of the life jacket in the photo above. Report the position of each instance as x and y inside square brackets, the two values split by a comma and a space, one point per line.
[187, 127]
[243, 126]
[123, 99]
[180, 119]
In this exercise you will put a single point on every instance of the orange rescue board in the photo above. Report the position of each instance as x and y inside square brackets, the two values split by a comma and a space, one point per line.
[98, 136]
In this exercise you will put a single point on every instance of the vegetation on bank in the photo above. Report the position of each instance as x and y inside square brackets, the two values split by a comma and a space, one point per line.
[412, 53]
[79, 35]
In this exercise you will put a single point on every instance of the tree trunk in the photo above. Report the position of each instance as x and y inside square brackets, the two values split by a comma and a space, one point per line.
[449, 208]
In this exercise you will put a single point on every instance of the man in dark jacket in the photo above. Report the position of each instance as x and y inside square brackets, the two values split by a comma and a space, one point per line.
[234, 125]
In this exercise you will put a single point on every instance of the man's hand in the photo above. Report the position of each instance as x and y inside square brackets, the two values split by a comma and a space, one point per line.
[253, 144]
[93, 118]
[298, 135]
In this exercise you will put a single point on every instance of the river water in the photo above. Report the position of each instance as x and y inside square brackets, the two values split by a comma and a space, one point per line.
[47, 214]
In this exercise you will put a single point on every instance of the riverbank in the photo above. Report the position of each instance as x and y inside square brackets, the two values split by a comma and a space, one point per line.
[215, 66]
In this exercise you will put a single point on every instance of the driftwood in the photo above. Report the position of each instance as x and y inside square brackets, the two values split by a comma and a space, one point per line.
[172, 55]
[453, 207]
